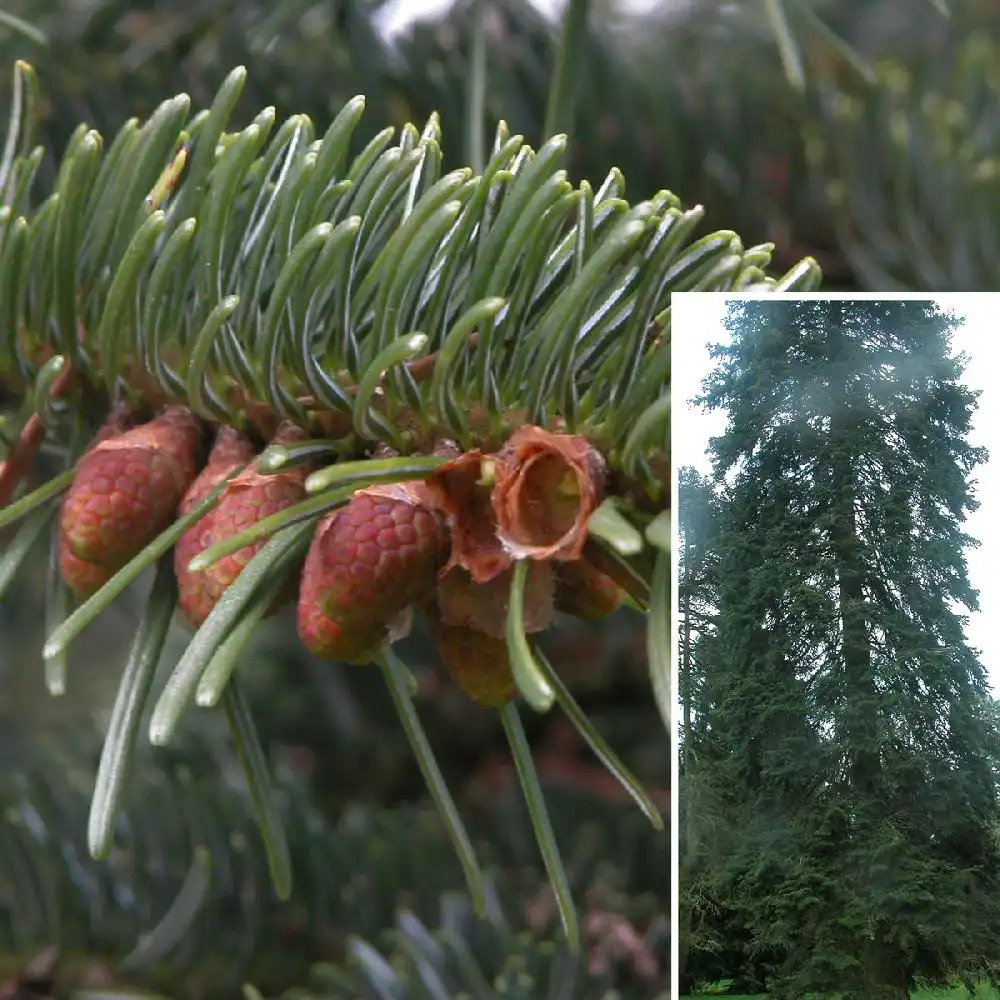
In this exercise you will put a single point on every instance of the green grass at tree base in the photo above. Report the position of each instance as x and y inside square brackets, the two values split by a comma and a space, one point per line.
[983, 992]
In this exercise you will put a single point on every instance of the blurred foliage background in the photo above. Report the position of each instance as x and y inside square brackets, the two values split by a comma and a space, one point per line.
[870, 139]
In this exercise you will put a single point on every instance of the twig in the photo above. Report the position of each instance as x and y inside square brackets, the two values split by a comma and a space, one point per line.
[29, 442]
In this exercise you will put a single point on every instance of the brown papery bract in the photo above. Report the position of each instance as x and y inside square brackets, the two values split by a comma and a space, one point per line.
[547, 486]
[461, 490]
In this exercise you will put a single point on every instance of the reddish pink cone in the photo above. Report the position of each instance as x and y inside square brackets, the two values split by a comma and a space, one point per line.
[477, 663]
[126, 491]
[368, 563]
[230, 451]
[247, 499]
[586, 592]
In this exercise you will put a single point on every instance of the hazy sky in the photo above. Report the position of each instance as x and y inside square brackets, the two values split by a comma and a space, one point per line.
[399, 14]
[697, 322]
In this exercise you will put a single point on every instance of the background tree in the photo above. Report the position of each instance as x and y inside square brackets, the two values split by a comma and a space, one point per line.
[855, 738]
[698, 588]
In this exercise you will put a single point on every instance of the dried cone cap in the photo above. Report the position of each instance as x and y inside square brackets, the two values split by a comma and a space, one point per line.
[483, 606]
[248, 498]
[586, 592]
[367, 564]
[477, 663]
[126, 491]
[462, 488]
[230, 451]
[547, 486]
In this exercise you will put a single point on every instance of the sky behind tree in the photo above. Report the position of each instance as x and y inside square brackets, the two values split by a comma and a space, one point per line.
[697, 322]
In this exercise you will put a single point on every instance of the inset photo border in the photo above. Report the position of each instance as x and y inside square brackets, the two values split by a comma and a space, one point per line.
[837, 530]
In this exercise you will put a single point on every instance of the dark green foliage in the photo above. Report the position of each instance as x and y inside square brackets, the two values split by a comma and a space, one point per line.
[187, 867]
[104, 62]
[843, 725]
[689, 129]
[724, 132]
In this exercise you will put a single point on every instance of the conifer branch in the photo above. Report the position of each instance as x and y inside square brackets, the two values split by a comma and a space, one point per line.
[254, 225]
[484, 357]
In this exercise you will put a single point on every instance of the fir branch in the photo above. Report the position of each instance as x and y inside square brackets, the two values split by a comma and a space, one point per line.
[262, 277]
[224, 239]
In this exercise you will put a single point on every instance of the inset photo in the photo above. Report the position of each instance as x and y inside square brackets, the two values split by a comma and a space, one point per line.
[838, 652]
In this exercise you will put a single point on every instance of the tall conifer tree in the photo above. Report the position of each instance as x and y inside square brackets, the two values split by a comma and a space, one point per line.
[855, 735]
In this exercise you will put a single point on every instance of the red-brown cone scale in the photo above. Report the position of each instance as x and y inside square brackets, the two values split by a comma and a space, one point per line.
[368, 563]
[531, 500]
[126, 491]
[462, 489]
[248, 498]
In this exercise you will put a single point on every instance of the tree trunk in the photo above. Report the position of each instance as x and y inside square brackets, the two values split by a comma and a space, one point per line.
[883, 972]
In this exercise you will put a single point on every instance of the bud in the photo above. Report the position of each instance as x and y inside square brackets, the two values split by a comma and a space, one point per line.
[483, 606]
[230, 451]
